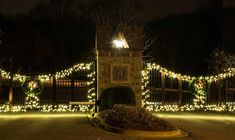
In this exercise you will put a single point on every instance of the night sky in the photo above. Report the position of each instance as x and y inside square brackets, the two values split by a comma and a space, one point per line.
[186, 34]
[152, 8]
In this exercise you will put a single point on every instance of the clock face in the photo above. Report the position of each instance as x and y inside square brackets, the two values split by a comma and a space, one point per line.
[119, 74]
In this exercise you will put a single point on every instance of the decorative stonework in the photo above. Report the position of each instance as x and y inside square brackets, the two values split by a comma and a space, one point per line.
[120, 73]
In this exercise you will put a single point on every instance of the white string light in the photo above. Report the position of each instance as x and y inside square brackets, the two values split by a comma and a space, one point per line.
[198, 101]
[34, 104]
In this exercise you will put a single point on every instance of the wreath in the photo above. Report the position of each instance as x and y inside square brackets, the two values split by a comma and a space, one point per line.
[199, 84]
[32, 86]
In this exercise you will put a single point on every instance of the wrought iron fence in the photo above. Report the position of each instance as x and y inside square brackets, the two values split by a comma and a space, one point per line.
[164, 90]
[73, 88]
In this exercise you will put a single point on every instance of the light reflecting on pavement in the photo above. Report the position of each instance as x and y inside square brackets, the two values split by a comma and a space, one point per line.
[197, 116]
[41, 115]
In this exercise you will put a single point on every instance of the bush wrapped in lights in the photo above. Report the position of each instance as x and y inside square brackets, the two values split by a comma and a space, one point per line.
[32, 87]
[32, 102]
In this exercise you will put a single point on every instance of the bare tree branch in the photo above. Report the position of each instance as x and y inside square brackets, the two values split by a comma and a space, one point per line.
[230, 61]
[112, 12]
[149, 40]
[221, 61]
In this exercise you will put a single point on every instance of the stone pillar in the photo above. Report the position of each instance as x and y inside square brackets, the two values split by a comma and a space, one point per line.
[119, 66]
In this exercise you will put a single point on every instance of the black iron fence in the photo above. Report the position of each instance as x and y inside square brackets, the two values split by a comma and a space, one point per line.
[171, 91]
[73, 88]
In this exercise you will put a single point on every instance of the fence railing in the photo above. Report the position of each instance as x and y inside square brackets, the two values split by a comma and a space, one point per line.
[61, 91]
[167, 91]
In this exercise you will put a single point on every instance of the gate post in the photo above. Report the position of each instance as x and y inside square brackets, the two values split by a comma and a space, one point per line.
[11, 97]
[54, 90]
[180, 91]
[0, 89]
[72, 89]
[163, 87]
[222, 101]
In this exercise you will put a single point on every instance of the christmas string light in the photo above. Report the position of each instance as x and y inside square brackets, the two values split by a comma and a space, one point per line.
[32, 101]
[58, 75]
[154, 107]
[145, 81]
[200, 93]
[75, 68]
[226, 74]
[47, 108]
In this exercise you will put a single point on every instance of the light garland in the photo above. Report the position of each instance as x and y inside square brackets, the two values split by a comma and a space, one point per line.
[32, 102]
[75, 68]
[87, 108]
[91, 91]
[87, 66]
[151, 66]
[4, 74]
[145, 82]
[21, 78]
[91, 95]
[48, 108]
[16, 77]
[174, 108]
[58, 75]
[44, 78]
[200, 96]
[226, 74]
[144, 88]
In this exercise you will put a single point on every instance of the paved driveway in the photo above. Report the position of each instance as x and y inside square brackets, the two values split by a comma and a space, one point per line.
[204, 126]
[77, 127]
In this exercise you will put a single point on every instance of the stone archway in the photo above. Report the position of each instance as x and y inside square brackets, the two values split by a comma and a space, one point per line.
[117, 95]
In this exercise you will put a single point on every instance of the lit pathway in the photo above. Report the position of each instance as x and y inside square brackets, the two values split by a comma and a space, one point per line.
[75, 126]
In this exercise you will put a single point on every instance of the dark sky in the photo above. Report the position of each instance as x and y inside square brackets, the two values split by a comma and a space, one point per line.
[152, 8]
[160, 8]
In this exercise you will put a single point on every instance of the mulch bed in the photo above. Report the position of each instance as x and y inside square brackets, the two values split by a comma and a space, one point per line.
[129, 117]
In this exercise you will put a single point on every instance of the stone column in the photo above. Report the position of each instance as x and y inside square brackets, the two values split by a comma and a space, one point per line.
[116, 66]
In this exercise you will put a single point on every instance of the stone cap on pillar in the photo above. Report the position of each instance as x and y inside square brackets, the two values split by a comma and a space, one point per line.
[133, 36]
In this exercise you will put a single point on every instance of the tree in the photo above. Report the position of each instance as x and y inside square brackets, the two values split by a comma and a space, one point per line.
[1, 38]
[149, 40]
[65, 30]
[114, 12]
[16, 54]
[230, 61]
[1, 34]
[217, 61]
[121, 13]
[221, 61]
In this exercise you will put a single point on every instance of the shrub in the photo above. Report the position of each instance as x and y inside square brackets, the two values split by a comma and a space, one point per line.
[117, 95]
[129, 117]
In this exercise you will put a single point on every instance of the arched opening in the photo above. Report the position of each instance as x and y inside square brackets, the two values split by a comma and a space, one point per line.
[117, 95]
